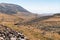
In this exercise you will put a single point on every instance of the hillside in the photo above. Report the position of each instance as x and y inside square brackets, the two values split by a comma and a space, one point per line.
[47, 27]
[30, 30]
[16, 19]
[48, 23]
[8, 21]
[13, 9]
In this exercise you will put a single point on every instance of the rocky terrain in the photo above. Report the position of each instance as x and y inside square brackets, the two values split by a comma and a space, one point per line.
[10, 34]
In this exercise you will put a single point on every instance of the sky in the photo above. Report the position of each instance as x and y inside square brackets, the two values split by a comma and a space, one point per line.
[37, 6]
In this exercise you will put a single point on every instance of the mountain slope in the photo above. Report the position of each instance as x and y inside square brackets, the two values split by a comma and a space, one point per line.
[48, 23]
[11, 8]
[5, 18]
[16, 10]
[30, 32]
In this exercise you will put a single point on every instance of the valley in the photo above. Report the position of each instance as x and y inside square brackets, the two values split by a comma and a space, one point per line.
[16, 19]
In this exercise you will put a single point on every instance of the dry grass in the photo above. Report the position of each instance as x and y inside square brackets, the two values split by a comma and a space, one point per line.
[31, 32]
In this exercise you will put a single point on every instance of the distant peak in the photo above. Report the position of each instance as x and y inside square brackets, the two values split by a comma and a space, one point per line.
[57, 14]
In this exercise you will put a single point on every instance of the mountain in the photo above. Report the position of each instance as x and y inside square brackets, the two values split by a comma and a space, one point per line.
[11, 8]
[16, 10]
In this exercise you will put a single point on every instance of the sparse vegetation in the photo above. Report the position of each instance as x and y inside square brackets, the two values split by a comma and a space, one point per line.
[42, 28]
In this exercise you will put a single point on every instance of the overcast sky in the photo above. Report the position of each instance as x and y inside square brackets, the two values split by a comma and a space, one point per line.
[37, 6]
